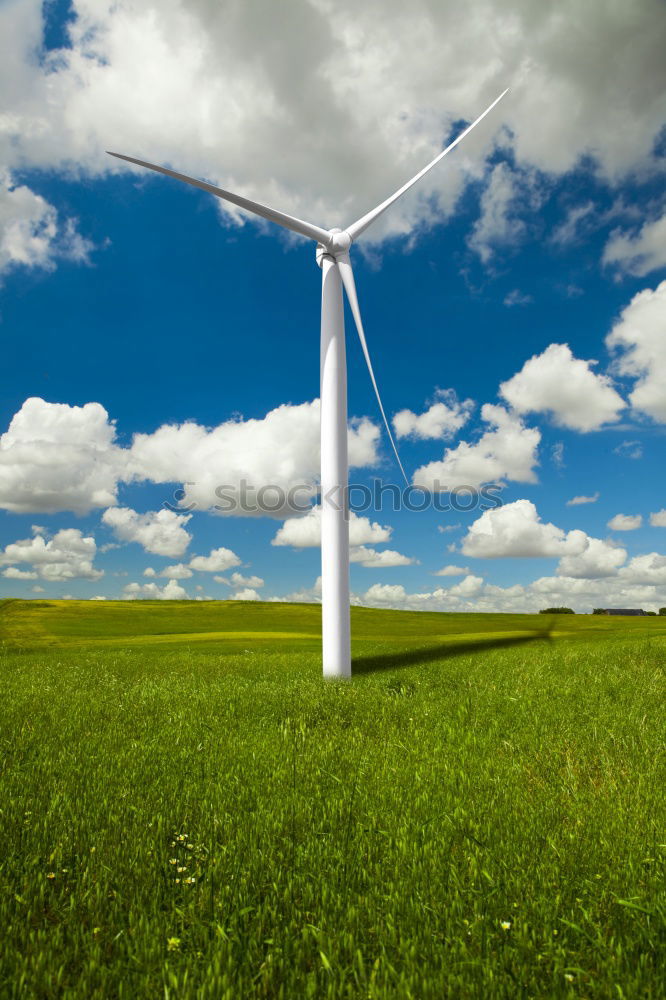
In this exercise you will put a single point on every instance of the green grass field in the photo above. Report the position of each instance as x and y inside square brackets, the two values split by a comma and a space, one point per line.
[187, 810]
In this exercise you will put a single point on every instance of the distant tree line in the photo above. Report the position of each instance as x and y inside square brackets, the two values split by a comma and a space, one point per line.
[595, 611]
[602, 611]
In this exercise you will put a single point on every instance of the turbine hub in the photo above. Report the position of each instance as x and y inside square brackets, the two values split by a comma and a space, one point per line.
[340, 242]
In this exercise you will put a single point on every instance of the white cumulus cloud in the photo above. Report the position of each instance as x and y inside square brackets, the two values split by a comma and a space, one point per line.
[372, 559]
[13, 573]
[161, 532]
[517, 530]
[216, 562]
[441, 420]
[31, 234]
[171, 591]
[640, 252]
[179, 571]
[599, 559]
[639, 338]
[555, 382]
[68, 555]
[649, 569]
[56, 457]
[469, 587]
[625, 522]
[385, 594]
[507, 451]
[247, 594]
[451, 570]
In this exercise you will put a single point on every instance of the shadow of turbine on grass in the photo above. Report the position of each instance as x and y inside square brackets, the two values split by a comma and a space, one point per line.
[444, 651]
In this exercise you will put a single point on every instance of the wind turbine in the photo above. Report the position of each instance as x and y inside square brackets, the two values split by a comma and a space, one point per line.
[332, 255]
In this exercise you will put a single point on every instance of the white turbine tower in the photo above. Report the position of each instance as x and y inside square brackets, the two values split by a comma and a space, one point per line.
[333, 258]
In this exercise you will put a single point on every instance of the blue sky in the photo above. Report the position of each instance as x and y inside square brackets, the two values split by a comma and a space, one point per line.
[138, 295]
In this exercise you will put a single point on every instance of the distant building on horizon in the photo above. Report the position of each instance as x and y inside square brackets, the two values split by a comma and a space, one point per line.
[624, 611]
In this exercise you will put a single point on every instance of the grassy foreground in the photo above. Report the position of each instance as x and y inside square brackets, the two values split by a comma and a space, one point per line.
[188, 811]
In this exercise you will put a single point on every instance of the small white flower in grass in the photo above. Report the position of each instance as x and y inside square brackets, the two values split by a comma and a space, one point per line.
[191, 879]
[569, 978]
[505, 925]
[173, 861]
[181, 868]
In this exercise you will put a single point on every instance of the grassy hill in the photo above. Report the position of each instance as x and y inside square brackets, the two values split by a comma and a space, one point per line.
[234, 624]
[479, 813]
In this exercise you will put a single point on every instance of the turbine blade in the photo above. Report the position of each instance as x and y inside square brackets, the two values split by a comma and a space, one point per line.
[347, 276]
[362, 224]
[287, 221]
